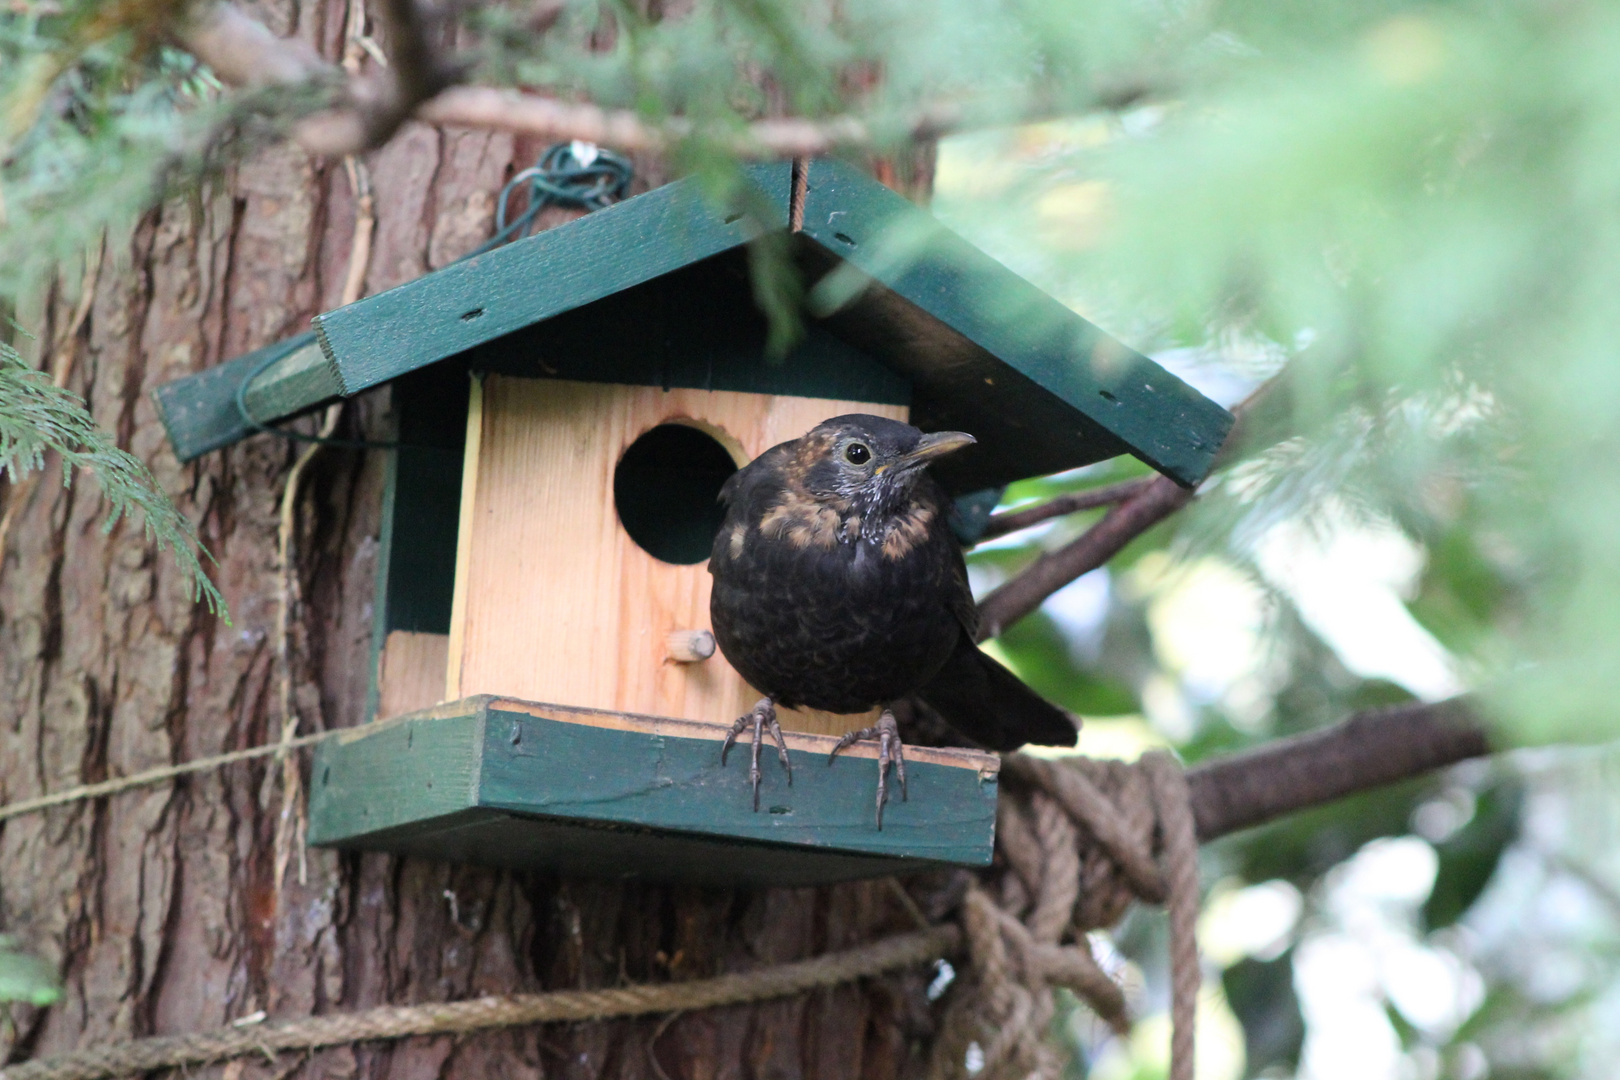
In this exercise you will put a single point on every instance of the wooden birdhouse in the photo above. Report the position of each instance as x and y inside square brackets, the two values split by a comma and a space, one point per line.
[546, 689]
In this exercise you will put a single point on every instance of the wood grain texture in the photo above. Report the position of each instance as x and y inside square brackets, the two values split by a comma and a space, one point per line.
[200, 411]
[554, 601]
[410, 673]
[471, 466]
[987, 765]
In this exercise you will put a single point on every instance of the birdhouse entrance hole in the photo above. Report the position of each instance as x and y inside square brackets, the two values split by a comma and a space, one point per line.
[666, 490]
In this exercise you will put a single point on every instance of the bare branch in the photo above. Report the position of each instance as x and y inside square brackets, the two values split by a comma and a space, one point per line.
[530, 114]
[1157, 500]
[1240, 791]
[243, 52]
[1011, 521]
[1368, 750]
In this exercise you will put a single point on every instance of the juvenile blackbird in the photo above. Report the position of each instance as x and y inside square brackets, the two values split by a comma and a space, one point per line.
[838, 585]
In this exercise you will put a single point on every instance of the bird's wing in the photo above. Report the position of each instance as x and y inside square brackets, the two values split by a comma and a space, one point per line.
[962, 604]
[961, 593]
[992, 706]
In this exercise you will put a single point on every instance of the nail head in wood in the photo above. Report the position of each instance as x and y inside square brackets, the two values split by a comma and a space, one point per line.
[690, 646]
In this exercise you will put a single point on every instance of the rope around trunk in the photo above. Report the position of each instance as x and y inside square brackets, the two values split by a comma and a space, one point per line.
[1077, 842]
[159, 775]
[478, 1014]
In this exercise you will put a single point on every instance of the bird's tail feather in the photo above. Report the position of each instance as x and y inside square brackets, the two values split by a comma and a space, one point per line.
[991, 706]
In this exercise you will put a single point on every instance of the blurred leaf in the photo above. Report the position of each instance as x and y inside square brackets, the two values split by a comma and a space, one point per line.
[1261, 994]
[1469, 857]
[24, 977]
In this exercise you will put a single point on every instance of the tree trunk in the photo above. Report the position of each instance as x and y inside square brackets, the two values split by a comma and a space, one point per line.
[161, 906]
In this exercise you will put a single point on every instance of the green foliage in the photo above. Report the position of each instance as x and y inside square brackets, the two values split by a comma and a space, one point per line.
[1421, 203]
[36, 415]
[98, 124]
[24, 977]
[1469, 857]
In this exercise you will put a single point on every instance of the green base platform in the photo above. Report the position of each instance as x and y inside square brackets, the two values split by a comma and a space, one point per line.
[592, 793]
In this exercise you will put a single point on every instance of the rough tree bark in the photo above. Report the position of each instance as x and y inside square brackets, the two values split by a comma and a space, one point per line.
[159, 906]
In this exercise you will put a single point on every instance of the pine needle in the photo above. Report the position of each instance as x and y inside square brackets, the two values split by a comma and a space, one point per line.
[37, 416]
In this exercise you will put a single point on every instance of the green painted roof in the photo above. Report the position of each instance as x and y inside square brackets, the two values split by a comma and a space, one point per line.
[656, 291]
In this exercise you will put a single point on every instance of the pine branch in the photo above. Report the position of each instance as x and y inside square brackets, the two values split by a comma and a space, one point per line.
[37, 416]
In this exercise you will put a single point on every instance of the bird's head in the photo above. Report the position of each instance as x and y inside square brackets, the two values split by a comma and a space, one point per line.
[872, 462]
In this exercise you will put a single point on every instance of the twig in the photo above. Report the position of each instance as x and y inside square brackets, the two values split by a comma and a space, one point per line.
[548, 118]
[292, 820]
[1157, 500]
[1010, 521]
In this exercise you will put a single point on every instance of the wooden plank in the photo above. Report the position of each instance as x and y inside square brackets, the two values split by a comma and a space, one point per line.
[554, 601]
[411, 672]
[480, 299]
[983, 344]
[585, 792]
[536, 765]
[472, 455]
[416, 558]
[200, 411]
[397, 773]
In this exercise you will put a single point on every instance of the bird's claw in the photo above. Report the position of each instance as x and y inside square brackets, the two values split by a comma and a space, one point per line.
[890, 750]
[761, 717]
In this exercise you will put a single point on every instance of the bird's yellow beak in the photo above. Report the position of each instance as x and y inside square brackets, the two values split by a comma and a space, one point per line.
[937, 445]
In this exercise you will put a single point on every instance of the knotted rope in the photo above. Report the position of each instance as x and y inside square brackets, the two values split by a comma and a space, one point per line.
[1081, 841]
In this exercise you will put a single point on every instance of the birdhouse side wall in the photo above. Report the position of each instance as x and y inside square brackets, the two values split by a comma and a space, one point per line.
[553, 599]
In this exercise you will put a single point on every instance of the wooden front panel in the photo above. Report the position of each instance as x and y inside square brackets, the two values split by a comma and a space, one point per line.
[553, 600]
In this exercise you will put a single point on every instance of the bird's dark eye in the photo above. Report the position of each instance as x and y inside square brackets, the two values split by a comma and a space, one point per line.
[857, 453]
